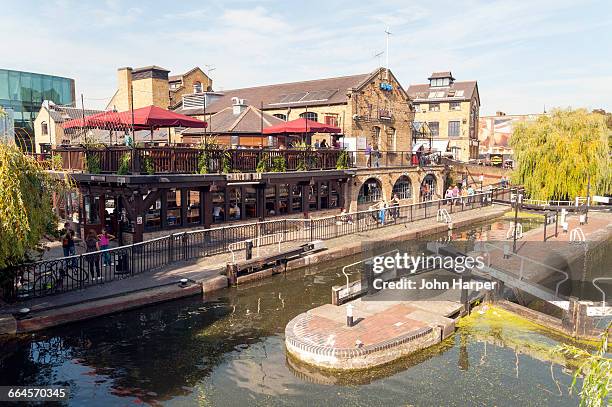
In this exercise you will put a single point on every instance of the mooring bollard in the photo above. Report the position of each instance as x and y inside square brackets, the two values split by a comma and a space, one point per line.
[349, 315]
[231, 271]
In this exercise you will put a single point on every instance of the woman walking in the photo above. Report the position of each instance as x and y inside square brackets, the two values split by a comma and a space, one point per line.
[93, 260]
[104, 239]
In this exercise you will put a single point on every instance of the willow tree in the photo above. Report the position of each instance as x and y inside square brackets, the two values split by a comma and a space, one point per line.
[556, 155]
[25, 205]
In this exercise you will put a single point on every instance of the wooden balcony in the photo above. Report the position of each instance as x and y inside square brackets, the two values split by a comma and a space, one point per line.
[188, 160]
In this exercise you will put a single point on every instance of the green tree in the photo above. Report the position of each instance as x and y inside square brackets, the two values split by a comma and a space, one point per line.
[556, 154]
[595, 369]
[25, 205]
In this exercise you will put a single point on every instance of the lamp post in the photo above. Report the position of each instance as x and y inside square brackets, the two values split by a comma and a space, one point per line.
[517, 203]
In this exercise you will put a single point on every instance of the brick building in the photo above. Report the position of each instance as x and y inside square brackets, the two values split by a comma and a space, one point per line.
[447, 114]
[369, 108]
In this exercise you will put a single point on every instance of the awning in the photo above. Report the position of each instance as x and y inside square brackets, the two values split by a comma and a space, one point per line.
[436, 145]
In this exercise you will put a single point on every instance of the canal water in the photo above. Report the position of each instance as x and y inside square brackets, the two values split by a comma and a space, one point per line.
[229, 351]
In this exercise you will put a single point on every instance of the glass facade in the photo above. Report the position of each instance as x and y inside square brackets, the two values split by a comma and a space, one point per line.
[24, 92]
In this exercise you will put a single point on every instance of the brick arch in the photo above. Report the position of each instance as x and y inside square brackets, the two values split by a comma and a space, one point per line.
[393, 179]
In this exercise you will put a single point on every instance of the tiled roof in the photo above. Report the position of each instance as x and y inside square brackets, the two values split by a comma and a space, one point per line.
[306, 93]
[150, 68]
[444, 74]
[60, 114]
[422, 92]
[248, 121]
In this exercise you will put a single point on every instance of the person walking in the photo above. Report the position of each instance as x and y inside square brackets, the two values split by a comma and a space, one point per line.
[368, 153]
[448, 195]
[382, 212]
[104, 239]
[93, 260]
[395, 203]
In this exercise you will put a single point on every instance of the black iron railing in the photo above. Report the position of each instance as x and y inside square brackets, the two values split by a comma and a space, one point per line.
[64, 274]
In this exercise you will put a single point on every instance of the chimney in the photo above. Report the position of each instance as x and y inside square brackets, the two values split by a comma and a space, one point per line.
[238, 106]
[124, 86]
[500, 113]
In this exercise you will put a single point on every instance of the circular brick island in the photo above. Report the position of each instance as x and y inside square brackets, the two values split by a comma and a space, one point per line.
[383, 331]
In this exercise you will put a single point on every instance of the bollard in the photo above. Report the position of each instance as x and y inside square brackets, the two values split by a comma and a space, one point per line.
[349, 315]
[248, 250]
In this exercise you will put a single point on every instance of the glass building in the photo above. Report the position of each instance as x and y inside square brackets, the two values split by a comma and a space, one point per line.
[24, 92]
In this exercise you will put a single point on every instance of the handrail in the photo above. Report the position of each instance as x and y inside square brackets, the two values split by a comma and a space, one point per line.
[523, 258]
[362, 261]
[443, 215]
[519, 231]
[577, 236]
[603, 293]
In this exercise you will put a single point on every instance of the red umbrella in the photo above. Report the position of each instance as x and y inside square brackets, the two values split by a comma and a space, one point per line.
[301, 125]
[105, 120]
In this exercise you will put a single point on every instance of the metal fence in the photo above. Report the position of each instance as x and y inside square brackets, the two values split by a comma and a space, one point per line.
[64, 274]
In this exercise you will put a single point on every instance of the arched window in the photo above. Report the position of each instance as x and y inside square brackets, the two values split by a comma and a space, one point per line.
[310, 116]
[44, 128]
[428, 187]
[403, 188]
[376, 139]
[393, 138]
[197, 87]
[370, 191]
[280, 116]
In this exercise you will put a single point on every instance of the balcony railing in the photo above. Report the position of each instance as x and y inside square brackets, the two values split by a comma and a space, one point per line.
[188, 160]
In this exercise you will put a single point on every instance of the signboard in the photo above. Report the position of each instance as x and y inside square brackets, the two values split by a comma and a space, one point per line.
[496, 159]
[139, 220]
[602, 199]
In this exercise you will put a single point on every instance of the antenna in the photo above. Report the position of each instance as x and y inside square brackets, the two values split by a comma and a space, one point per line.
[377, 55]
[388, 33]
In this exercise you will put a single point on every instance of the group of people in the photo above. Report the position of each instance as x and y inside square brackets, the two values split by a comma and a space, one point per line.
[93, 242]
[457, 194]
[380, 212]
[373, 155]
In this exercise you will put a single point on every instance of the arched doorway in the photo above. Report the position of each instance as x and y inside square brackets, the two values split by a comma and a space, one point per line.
[428, 187]
[403, 188]
[370, 191]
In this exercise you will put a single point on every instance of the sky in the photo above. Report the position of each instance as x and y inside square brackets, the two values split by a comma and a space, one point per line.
[525, 55]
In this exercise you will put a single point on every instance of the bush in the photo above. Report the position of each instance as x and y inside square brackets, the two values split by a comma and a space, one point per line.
[203, 163]
[343, 161]
[263, 165]
[124, 164]
[279, 164]
[147, 165]
[92, 163]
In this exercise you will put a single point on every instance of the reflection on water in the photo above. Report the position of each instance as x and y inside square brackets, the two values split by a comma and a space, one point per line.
[229, 350]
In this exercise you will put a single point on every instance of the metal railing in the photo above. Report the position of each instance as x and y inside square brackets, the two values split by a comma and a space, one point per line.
[64, 274]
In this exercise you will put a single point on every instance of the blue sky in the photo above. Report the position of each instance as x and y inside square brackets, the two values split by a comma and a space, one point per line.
[524, 54]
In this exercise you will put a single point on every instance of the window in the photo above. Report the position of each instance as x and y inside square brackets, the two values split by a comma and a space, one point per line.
[283, 198]
[271, 200]
[44, 128]
[434, 128]
[439, 82]
[459, 93]
[193, 208]
[417, 107]
[235, 200]
[403, 188]
[310, 116]
[197, 87]
[296, 198]
[92, 209]
[281, 116]
[434, 107]
[218, 206]
[331, 120]
[370, 191]
[250, 199]
[377, 141]
[173, 212]
[393, 138]
[153, 215]
[454, 128]
[454, 106]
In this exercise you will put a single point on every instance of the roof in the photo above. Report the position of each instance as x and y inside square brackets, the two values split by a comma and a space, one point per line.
[317, 92]
[176, 78]
[443, 74]
[150, 68]
[248, 122]
[60, 114]
[456, 91]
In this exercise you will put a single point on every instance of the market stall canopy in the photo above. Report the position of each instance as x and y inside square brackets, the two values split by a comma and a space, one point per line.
[149, 117]
[301, 125]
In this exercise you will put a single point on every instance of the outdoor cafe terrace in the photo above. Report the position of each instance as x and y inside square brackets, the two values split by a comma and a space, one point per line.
[193, 160]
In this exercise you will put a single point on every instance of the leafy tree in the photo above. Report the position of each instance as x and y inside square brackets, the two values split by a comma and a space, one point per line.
[279, 164]
[26, 212]
[556, 154]
[124, 164]
[596, 370]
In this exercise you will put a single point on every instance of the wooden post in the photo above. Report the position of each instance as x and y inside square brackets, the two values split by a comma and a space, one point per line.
[208, 204]
[139, 212]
